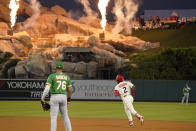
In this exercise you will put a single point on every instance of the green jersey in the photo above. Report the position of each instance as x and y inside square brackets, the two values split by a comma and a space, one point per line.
[58, 83]
[186, 89]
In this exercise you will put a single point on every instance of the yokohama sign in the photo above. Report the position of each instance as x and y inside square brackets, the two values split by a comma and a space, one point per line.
[17, 89]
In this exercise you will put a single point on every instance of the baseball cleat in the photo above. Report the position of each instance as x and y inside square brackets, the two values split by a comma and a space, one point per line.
[130, 123]
[142, 120]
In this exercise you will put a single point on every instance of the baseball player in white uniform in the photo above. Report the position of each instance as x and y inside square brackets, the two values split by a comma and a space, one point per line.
[123, 89]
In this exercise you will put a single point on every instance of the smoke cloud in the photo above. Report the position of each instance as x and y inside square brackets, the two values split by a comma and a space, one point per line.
[87, 8]
[35, 5]
[125, 11]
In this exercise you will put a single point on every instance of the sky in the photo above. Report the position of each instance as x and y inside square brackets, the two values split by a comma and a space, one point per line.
[146, 4]
[169, 4]
[71, 5]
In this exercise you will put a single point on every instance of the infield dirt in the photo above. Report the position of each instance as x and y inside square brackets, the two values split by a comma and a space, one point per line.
[85, 124]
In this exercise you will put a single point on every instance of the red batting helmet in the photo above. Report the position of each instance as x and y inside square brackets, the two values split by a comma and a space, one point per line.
[119, 78]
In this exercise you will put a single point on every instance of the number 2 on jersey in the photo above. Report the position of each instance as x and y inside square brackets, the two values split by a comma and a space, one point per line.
[61, 84]
[125, 89]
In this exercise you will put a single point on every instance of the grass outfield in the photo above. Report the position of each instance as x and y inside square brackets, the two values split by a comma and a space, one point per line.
[99, 109]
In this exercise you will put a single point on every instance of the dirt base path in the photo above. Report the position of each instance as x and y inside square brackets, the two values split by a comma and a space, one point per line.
[83, 124]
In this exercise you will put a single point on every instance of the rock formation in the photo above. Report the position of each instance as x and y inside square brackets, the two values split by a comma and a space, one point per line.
[54, 31]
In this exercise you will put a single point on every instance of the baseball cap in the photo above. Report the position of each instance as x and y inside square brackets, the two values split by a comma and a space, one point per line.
[119, 78]
[59, 64]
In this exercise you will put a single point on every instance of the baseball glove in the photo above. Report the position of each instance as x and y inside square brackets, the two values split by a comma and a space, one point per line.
[45, 106]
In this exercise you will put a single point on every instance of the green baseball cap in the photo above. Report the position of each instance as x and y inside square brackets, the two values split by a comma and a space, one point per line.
[59, 64]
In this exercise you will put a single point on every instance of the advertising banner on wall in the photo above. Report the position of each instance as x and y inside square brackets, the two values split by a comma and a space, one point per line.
[94, 89]
[146, 90]
[21, 89]
[17, 89]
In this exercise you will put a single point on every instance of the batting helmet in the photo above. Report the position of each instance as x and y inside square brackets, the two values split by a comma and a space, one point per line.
[119, 78]
[59, 65]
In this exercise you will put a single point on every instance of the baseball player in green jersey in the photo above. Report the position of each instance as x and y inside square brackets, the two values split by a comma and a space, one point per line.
[59, 85]
[185, 93]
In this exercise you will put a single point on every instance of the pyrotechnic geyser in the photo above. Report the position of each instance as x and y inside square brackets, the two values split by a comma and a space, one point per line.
[102, 5]
[125, 11]
[14, 6]
[87, 8]
[35, 6]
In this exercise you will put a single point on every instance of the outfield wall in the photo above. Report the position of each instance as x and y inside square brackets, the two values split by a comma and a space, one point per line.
[163, 90]
[146, 90]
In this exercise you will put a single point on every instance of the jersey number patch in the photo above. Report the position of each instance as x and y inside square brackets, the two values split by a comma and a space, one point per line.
[125, 89]
[62, 85]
